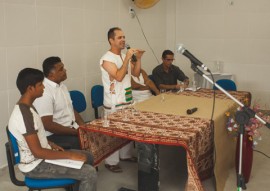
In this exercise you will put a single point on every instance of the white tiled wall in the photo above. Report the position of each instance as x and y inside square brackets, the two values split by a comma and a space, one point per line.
[49, 25]
[3, 122]
[20, 23]
[76, 31]
[236, 32]
[18, 58]
[3, 71]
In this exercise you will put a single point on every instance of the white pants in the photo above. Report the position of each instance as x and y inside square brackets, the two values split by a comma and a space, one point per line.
[123, 153]
[141, 95]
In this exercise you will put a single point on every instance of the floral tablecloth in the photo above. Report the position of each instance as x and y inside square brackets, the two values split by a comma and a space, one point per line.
[194, 133]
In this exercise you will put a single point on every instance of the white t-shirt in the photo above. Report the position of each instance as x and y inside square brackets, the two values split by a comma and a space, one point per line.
[115, 93]
[56, 101]
[24, 120]
[139, 80]
[140, 95]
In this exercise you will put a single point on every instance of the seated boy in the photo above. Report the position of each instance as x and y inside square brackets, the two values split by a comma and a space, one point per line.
[26, 126]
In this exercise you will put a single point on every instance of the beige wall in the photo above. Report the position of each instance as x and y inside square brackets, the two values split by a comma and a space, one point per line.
[75, 30]
[236, 32]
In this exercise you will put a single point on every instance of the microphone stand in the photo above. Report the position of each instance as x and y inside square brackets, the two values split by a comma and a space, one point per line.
[242, 118]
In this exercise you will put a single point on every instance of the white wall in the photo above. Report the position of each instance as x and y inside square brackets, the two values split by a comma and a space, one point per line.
[236, 32]
[75, 30]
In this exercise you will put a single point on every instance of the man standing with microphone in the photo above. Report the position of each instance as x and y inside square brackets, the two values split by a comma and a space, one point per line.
[116, 70]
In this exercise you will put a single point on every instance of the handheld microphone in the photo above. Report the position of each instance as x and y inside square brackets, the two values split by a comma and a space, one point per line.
[190, 111]
[180, 49]
[133, 58]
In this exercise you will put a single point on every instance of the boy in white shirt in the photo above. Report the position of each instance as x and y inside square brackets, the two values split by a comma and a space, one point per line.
[26, 126]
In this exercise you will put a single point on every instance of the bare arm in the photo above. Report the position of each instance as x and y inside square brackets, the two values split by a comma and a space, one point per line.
[43, 153]
[176, 86]
[168, 87]
[150, 83]
[56, 128]
[186, 83]
[78, 118]
[136, 86]
[55, 147]
[114, 72]
[136, 67]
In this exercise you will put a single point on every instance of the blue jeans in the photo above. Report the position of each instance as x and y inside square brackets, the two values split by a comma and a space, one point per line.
[86, 176]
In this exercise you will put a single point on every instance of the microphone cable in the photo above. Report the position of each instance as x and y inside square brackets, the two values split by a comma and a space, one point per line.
[145, 36]
[261, 153]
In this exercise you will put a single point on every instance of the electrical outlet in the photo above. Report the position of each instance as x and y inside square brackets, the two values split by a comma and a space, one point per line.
[131, 12]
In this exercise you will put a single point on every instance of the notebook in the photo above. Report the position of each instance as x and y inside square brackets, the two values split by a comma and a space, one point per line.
[66, 162]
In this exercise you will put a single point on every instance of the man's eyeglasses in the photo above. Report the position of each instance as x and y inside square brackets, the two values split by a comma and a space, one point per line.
[167, 59]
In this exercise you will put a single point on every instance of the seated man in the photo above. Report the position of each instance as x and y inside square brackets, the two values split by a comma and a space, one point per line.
[166, 74]
[55, 106]
[142, 87]
[26, 126]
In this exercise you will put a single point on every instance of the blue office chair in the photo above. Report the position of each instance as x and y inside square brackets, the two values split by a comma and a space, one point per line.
[151, 77]
[13, 158]
[78, 100]
[226, 84]
[97, 98]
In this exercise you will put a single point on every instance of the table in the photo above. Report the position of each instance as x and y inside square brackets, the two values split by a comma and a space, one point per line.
[202, 82]
[158, 122]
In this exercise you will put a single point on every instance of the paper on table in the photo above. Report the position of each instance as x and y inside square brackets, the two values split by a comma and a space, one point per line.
[191, 89]
[66, 162]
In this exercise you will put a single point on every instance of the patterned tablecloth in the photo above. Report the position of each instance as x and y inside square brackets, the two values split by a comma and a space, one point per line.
[193, 133]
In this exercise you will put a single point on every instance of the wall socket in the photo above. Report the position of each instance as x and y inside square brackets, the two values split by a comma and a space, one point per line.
[131, 12]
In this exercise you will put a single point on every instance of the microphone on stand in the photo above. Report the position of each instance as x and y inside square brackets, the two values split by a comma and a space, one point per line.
[193, 110]
[180, 49]
[133, 58]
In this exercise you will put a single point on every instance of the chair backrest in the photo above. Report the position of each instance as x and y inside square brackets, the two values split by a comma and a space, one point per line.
[226, 84]
[78, 100]
[97, 98]
[13, 158]
[11, 166]
[14, 147]
[151, 77]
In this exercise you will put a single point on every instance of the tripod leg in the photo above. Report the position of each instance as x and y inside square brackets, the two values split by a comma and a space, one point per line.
[241, 182]
[240, 178]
